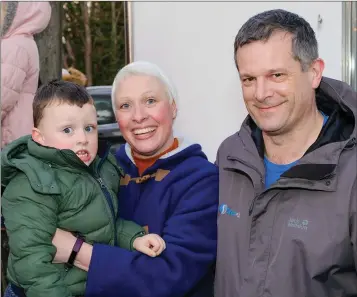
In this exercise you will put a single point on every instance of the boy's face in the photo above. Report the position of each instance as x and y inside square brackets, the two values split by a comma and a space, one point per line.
[65, 126]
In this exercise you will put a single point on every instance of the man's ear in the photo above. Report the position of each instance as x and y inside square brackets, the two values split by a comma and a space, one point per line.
[317, 68]
[37, 136]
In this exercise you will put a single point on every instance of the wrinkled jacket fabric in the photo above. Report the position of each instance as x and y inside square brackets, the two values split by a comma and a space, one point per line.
[20, 66]
[48, 189]
[299, 237]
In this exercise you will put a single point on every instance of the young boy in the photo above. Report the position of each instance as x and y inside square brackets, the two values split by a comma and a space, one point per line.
[54, 179]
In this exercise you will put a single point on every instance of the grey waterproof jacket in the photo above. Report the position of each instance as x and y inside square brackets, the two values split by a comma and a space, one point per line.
[297, 238]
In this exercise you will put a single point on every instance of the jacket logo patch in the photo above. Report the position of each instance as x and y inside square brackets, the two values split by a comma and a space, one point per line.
[299, 224]
[224, 209]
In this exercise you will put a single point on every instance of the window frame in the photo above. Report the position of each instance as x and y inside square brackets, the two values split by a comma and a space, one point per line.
[349, 43]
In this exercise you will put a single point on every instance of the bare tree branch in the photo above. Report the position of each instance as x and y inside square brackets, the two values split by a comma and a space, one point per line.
[114, 27]
[88, 42]
[70, 52]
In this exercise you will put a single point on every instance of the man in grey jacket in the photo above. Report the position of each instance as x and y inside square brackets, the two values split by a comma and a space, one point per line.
[287, 223]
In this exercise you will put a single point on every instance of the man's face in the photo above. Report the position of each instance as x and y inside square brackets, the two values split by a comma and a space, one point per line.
[65, 126]
[277, 93]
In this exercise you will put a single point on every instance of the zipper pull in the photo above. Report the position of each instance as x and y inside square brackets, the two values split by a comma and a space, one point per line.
[101, 182]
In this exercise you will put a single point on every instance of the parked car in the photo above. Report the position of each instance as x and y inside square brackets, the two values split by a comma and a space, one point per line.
[108, 129]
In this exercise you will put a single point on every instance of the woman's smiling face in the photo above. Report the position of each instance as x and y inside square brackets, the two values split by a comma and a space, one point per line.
[145, 114]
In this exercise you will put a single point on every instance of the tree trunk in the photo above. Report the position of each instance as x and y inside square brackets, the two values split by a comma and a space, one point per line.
[127, 33]
[87, 44]
[50, 47]
[70, 54]
[114, 28]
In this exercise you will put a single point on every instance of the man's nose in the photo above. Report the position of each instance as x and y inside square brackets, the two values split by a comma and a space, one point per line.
[262, 90]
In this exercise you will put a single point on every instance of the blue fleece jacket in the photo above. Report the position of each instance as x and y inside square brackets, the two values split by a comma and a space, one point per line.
[178, 201]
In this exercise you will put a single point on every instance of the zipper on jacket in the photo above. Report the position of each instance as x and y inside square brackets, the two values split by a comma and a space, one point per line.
[107, 195]
[95, 174]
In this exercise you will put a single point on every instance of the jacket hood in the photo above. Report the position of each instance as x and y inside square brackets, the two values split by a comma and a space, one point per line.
[11, 157]
[25, 155]
[342, 96]
[16, 158]
[26, 18]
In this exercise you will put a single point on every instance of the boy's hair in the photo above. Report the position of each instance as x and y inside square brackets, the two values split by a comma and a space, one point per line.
[61, 92]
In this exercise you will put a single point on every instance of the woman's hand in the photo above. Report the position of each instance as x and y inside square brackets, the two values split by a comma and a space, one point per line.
[64, 242]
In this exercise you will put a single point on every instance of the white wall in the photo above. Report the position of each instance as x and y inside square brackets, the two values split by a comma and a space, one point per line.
[193, 44]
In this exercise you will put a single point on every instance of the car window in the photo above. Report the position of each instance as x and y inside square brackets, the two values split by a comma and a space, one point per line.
[103, 104]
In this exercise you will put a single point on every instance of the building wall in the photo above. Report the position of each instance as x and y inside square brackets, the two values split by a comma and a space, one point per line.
[193, 44]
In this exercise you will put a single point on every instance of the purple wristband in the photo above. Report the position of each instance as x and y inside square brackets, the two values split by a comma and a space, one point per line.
[77, 246]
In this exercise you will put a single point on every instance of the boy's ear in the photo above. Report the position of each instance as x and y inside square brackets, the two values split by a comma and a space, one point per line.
[37, 136]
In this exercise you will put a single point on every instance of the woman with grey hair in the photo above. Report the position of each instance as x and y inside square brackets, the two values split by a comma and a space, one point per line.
[169, 187]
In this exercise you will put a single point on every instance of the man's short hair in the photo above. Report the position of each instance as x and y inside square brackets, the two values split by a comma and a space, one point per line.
[261, 26]
[61, 92]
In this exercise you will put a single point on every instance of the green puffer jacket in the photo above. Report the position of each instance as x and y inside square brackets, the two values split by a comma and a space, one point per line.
[48, 189]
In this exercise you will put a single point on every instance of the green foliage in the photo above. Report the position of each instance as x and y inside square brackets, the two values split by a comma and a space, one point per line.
[108, 38]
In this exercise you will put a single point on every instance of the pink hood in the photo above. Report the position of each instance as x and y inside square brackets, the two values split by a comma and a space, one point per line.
[30, 18]
[20, 65]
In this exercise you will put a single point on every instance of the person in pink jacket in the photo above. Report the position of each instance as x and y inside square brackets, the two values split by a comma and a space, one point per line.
[19, 65]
